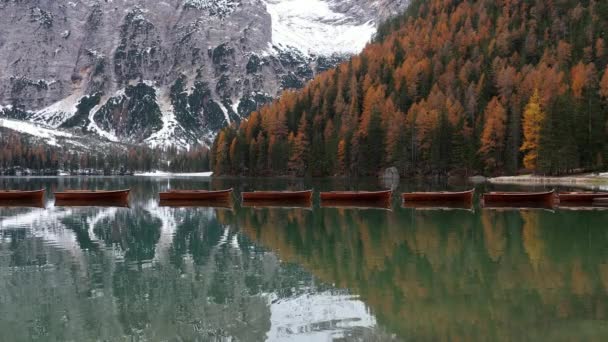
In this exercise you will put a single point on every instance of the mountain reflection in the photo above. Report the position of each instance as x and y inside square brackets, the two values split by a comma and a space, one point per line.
[158, 273]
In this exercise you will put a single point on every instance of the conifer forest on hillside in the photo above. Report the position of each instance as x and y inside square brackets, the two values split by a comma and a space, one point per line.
[449, 87]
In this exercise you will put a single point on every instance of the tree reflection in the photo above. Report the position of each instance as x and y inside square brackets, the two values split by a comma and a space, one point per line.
[453, 275]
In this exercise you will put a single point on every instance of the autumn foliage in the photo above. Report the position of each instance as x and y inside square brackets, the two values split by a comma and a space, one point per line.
[534, 119]
[449, 86]
[21, 154]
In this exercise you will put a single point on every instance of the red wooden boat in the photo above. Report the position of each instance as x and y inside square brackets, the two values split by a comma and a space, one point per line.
[441, 196]
[362, 196]
[581, 197]
[93, 195]
[542, 198]
[277, 195]
[195, 195]
[17, 195]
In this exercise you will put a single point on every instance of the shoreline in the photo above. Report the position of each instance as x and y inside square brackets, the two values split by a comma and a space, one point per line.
[586, 180]
[162, 174]
[157, 174]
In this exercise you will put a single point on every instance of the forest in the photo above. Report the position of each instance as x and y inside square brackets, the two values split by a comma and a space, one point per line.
[449, 87]
[21, 156]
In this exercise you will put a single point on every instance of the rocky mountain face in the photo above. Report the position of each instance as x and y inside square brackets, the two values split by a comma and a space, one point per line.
[168, 72]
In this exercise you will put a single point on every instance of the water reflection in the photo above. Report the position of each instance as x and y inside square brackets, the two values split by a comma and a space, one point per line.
[454, 275]
[163, 273]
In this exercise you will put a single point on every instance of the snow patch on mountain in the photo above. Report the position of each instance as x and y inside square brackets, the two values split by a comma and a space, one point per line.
[313, 27]
[172, 133]
[49, 135]
[59, 112]
[93, 127]
[226, 115]
[220, 8]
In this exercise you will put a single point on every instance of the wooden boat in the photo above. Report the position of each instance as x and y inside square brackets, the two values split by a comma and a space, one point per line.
[93, 195]
[195, 195]
[517, 199]
[360, 196]
[13, 195]
[441, 197]
[277, 196]
[581, 197]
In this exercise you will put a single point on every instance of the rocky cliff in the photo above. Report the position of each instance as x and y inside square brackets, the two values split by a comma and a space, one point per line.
[168, 72]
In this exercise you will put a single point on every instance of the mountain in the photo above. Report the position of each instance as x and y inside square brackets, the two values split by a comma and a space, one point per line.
[450, 87]
[169, 72]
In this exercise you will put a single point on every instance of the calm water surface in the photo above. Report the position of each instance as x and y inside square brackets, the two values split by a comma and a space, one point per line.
[150, 273]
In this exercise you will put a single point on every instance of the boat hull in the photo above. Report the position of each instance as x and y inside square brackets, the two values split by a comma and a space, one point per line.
[266, 196]
[544, 199]
[439, 197]
[13, 195]
[581, 197]
[356, 196]
[196, 195]
[85, 196]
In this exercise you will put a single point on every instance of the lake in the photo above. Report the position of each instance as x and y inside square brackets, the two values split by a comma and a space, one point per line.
[150, 273]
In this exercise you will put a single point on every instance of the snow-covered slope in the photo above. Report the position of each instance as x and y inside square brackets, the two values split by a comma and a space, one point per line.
[313, 27]
[169, 72]
[69, 140]
[39, 131]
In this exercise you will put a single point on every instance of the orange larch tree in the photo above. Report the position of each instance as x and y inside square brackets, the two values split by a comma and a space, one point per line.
[493, 135]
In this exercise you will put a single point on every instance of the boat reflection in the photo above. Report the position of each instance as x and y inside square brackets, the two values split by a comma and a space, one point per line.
[282, 204]
[216, 204]
[93, 204]
[357, 204]
[23, 204]
[438, 206]
[519, 207]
